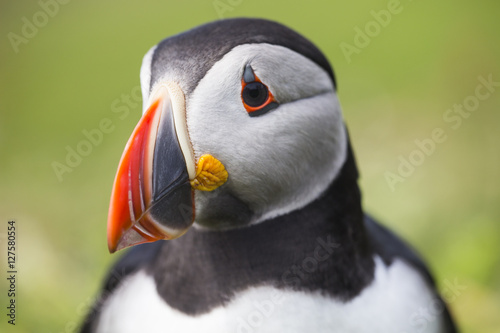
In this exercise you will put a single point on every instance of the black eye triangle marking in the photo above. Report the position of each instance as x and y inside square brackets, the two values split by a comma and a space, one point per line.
[248, 75]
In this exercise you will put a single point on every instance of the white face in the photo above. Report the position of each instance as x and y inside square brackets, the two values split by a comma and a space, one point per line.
[279, 161]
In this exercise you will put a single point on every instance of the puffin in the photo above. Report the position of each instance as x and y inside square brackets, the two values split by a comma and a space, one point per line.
[237, 193]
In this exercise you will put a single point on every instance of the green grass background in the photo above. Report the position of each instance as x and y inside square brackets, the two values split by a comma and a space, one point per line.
[65, 79]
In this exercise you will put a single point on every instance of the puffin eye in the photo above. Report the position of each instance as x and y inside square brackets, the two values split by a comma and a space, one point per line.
[255, 94]
[256, 97]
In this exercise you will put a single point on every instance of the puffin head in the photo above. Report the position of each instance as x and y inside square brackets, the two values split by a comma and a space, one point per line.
[241, 123]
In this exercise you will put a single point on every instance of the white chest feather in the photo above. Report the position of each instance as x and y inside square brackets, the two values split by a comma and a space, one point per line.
[392, 303]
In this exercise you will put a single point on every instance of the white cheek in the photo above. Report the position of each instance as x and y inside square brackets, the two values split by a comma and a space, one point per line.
[303, 148]
[280, 161]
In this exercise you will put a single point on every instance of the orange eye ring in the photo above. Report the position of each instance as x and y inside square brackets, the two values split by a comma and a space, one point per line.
[253, 88]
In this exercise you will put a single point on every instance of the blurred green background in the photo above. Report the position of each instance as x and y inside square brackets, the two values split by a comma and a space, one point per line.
[67, 76]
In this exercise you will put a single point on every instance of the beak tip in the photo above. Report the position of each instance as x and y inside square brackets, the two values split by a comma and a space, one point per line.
[129, 238]
[112, 246]
[114, 233]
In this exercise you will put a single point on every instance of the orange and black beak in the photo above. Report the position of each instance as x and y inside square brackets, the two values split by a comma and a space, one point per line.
[152, 197]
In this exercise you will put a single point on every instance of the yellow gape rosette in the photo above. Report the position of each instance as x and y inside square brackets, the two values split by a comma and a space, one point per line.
[210, 174]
